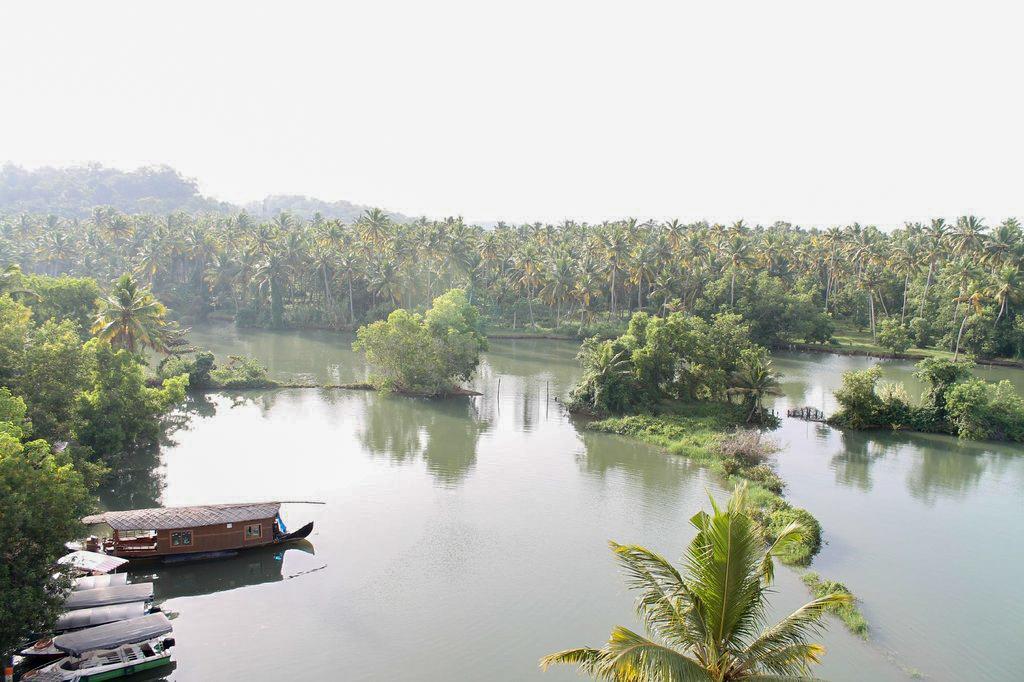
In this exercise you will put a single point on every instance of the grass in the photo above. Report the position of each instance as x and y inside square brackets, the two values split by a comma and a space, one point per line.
[849, 339]
[695, 431]
[848, 613]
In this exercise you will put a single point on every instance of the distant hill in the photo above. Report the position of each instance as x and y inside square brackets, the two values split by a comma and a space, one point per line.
[74, 191]
[305, 207]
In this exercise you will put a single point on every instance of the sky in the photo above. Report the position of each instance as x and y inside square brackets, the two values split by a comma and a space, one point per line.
[819, 113]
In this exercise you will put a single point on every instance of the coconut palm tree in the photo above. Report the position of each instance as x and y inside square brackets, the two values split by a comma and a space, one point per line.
[754, 378]
[131, 318]
[703, 620]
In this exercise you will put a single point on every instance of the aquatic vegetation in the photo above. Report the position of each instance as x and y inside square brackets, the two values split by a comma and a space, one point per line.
[700, 618]
[847, 611]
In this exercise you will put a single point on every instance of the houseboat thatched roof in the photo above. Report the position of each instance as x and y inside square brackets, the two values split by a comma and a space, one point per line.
[172, 518]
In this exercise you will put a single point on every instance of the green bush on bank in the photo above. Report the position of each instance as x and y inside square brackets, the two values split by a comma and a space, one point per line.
[203, 374]
[952, 403]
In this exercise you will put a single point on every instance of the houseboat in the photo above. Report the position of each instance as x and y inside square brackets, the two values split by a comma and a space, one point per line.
[182, 533]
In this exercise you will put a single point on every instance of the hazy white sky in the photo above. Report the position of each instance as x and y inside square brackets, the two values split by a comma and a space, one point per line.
[814, 112]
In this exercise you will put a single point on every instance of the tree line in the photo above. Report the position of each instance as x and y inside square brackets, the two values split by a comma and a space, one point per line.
[952, 284]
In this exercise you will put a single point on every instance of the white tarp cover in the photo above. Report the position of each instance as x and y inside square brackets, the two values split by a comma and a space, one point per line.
[91, 582]
[92, 561]
[85, 618]
[113, 635]
[106, 596]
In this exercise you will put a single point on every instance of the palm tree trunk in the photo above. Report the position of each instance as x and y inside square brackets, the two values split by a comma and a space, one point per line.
[351, 305]
[928, 283]
[871, 312]
[903, 312]
[732, 289]
[960, 334]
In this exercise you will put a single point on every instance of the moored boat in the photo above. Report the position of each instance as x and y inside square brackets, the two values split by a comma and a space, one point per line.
[207, 531]
[84, 618]
[109, 651]
[92, 582]
[108, 596]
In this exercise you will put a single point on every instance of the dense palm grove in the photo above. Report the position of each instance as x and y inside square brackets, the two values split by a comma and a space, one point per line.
[921, 284]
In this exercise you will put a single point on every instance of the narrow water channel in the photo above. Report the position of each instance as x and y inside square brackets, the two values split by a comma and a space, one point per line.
[463, 539]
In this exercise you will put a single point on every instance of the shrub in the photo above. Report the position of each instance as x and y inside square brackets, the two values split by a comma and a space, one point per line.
[748, 447]
[197, 367]
[241, 372]
[848, 612]
[921, 332]
[982, 410]
[424, 353]
[803, 552]
[893, 336]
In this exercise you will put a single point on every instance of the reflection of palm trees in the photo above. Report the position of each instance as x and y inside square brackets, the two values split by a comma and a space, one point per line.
[444, 432]
[856, 456]
[940, 466]
[661, 476]
[135, 483]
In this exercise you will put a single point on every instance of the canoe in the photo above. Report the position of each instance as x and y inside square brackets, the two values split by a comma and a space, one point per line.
[80, 619]
[108, 596]
[92, 582]
[109, 651]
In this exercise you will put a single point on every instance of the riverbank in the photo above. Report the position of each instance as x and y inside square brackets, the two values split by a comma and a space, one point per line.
[699, 432]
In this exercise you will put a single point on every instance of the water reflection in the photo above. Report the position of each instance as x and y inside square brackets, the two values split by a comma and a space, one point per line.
[445, 433]
[251, 567]
[936, 466]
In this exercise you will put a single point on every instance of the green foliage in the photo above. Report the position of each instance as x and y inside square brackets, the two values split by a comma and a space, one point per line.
[859, 405]
[847, 611]
[681, 357]
[940, 375]
[118, 411]
[74, 299]
[952, 403]
[198, 367]
[702, 619]
[54, 370]
[778, 519]
[982, 410]
[131, 318]
[240, 372]
[424, 354]
[41, 500]
[893, 336]
[13, 420]
[921, 332]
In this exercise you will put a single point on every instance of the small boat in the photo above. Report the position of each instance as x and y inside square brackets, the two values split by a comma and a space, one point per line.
[92, 582]
[109, 651]
[92, 563]
[108, 596]
[188, 533]
[84, 618]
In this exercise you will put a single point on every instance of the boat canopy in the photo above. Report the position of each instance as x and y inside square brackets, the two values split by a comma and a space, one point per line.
[107, 596]
[91, 582]
[92, 561]
[86, 618]
[113, 635]
[174, 518]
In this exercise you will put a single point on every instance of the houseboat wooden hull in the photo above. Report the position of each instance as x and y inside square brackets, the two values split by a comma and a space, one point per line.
[192, 533]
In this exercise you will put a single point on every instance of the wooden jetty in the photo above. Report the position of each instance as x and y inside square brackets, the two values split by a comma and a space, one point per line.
[811, 414]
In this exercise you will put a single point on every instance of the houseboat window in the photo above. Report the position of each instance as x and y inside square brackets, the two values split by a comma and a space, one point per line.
[254, 530]
[179, 538]
[135, 534]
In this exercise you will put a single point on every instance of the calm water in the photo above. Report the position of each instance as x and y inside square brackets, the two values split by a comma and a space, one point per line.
[463, 539]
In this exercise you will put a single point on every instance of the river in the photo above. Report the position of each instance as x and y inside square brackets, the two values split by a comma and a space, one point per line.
[463, 539]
